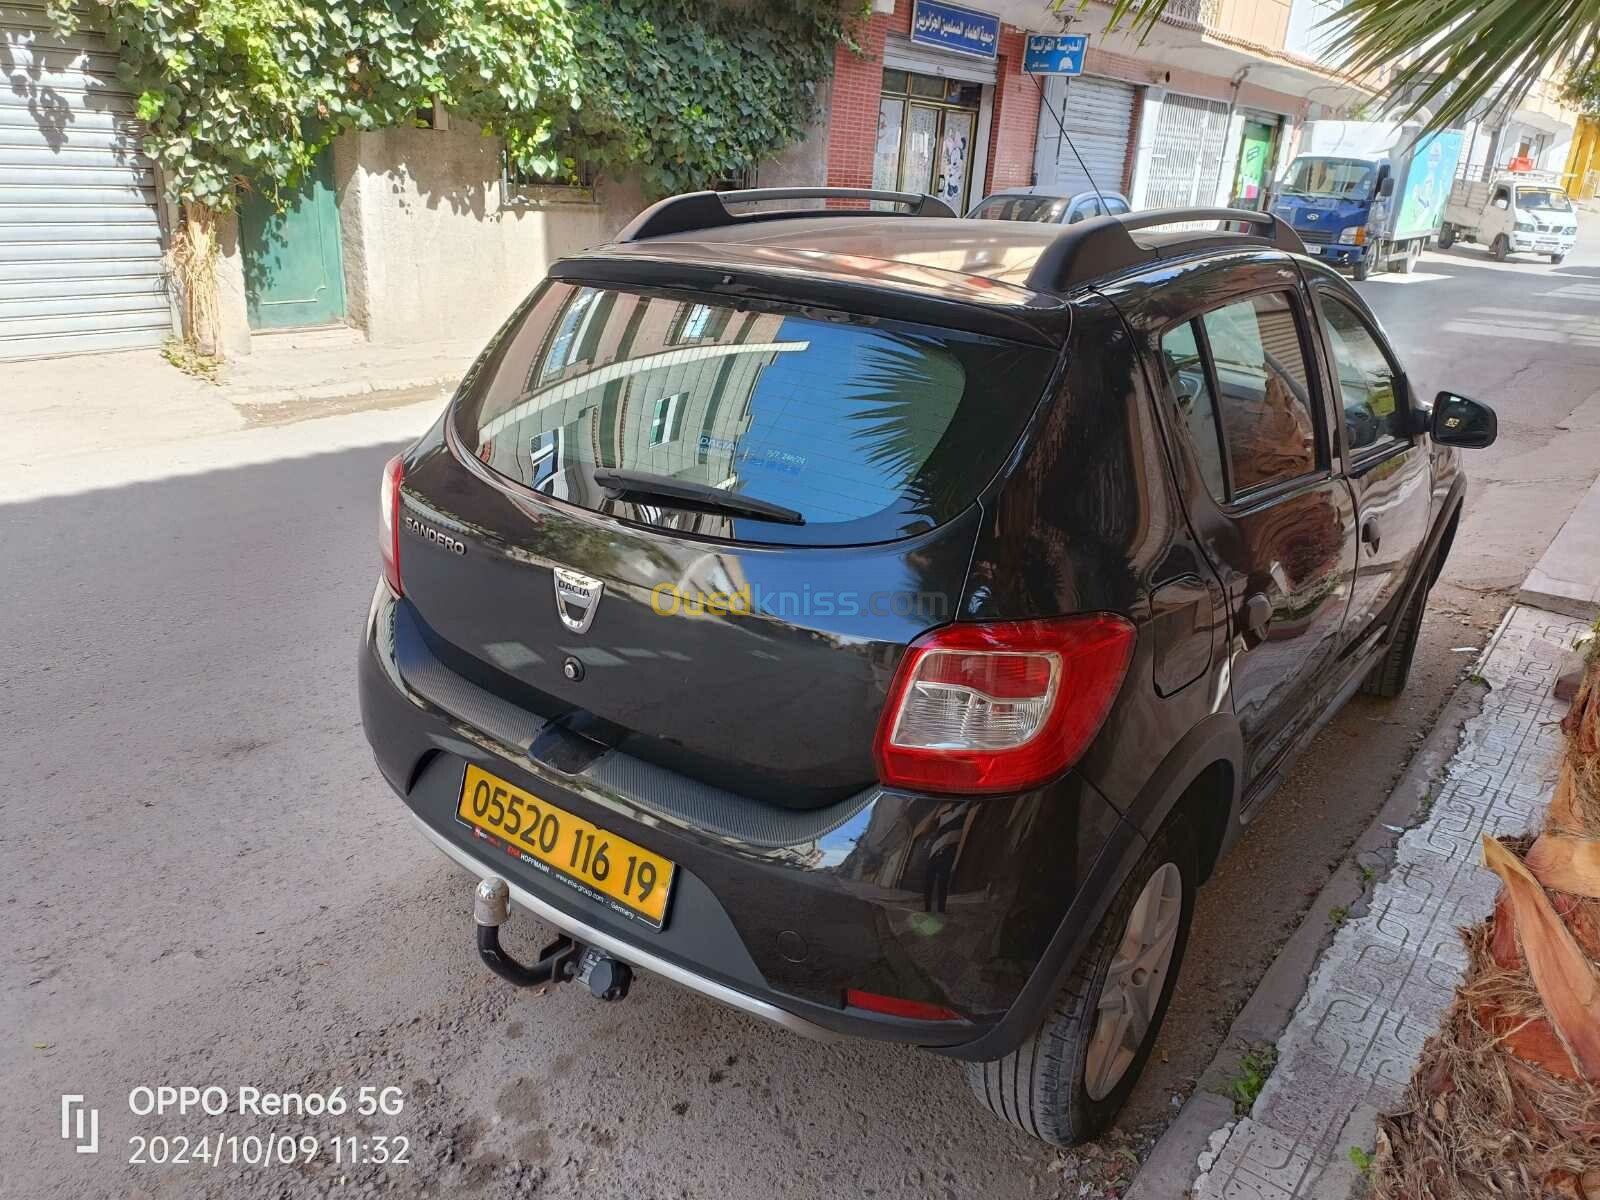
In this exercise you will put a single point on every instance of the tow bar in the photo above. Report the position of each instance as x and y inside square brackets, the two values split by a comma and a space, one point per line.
[563, 959]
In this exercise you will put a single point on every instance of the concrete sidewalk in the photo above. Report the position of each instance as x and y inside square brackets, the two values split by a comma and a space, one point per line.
[1347, 1049]
[1567, 576]
[64, 407]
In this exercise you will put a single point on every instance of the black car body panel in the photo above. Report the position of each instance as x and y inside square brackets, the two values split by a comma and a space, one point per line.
[739, 746]
[856, 895]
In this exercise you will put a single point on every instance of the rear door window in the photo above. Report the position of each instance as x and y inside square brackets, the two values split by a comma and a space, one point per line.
[1263, 398]
[870, 430]
[1238, 376]
[1083, 210]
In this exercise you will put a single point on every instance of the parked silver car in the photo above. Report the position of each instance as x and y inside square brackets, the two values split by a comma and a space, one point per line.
[1035, 204]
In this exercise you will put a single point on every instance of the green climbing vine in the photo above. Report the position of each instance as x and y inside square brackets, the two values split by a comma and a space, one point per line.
[687, 91]
[692, 92]
[253, 89]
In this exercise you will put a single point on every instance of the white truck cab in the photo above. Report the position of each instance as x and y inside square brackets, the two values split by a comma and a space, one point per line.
[1522, 212]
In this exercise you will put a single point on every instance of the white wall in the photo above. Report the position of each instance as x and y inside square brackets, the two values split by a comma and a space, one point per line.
[431, 247]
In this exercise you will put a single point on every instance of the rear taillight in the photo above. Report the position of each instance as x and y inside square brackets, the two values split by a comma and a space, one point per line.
[389, 522]
[1001, 706]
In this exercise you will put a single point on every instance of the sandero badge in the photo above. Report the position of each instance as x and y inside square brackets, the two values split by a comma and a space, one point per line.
[577, 599]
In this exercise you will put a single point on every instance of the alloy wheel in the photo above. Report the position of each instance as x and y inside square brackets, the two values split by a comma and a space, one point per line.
[1134, 983]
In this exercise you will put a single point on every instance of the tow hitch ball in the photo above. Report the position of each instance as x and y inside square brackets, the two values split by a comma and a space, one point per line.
[563, 959]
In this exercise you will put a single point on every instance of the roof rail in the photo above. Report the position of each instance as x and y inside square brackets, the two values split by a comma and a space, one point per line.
[1103, 245]
[708, 210]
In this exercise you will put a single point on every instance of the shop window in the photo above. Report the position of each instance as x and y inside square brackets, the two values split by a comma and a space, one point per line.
[926, 143]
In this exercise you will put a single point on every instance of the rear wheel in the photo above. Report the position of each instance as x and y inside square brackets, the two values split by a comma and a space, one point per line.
[1447, 236]
[1388, 678]
[1068, 1079]
[1500, 247]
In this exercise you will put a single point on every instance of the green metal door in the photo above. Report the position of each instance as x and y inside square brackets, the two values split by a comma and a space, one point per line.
[293, 274]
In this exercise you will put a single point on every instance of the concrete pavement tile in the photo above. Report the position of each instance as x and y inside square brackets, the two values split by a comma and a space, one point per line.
[1257, 1163]
[1379, 991]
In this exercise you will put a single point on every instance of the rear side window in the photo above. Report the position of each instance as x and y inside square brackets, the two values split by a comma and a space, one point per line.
[870, 431]
[1373, 418]
[1186, 376]
[1239, 378]
[1083, 210]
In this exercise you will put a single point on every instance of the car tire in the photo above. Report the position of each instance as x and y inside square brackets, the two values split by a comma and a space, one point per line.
[1387, 679]
[1447, 236]
[1363, 268]
[1044, 1087]
[1556, 259]
[1500, 248]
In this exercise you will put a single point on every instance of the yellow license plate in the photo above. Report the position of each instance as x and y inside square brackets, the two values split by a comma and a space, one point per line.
[606, 868]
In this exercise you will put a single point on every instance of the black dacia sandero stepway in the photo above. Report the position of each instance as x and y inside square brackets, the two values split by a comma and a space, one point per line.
[880, 622]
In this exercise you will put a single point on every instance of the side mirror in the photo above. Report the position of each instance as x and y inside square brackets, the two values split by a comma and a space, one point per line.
[1386, 188]
[1502, 202]
[1457, 421]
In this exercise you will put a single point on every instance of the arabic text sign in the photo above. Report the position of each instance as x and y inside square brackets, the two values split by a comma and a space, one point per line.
[951, 27]
[1055, 53]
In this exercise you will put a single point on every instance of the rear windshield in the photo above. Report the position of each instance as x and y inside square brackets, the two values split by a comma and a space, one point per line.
[1022, 208]
[869, 430]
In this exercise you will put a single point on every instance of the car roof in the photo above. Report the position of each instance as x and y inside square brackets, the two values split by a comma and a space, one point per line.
[932, 270]
[987, 260]
[1014, 278]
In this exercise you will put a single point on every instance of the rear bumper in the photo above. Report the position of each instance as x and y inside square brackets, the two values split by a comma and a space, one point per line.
[589, 935]
[967, 905]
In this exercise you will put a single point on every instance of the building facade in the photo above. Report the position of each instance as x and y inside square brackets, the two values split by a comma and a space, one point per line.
[398, 227]
[1200, 111]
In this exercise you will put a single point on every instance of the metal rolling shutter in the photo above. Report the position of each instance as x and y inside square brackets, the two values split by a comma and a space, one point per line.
[1186, 157]
[80, 233]
[1098, 114]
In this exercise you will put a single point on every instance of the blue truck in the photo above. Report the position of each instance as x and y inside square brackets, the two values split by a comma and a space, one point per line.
[1368, 194]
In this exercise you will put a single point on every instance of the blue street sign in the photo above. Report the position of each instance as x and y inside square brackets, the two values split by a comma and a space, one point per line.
[951, 27]
[1055, 53]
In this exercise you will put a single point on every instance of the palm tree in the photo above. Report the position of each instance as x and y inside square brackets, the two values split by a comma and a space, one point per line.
[1448, 55]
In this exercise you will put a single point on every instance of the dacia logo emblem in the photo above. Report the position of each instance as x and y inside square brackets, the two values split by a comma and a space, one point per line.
[577, 599]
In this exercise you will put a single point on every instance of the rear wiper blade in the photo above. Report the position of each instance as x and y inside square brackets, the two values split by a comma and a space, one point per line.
[648, 486]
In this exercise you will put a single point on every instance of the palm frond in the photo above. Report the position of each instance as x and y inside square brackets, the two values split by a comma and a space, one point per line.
[1448, 56]
[1453, 55]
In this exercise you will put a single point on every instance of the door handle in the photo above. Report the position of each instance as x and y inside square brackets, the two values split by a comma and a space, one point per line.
[1257, 616]
[1369, 535]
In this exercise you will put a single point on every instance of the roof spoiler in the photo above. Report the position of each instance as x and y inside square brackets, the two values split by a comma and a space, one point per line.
[1104, 245]
[709, 210]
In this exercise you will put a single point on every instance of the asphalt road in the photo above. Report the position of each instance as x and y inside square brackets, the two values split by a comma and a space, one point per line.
[206, 882]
